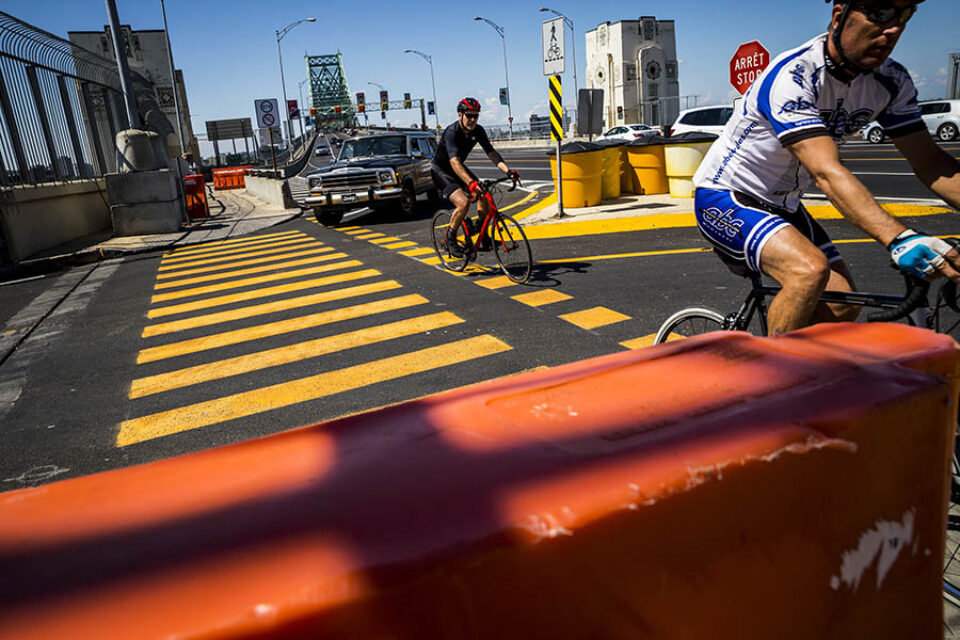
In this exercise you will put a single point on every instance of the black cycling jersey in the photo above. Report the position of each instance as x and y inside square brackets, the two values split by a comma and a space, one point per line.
[456, 143]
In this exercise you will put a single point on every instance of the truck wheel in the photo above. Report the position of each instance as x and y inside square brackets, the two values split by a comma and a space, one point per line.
[947, 132]
[408, 199]
[328, 218]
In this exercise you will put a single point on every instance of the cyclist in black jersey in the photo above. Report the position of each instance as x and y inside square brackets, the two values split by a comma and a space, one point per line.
[452, 177]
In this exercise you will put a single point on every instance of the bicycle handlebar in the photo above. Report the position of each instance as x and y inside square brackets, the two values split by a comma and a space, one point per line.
[916, 297]
[486, 184]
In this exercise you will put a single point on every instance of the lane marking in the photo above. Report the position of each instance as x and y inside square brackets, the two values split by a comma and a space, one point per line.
[368, 236]
[496, 283]
[358, 230]
[244, 263]
[249, 282]
[235, 244]
[345, 228]
[283, 242]
[520, 202]
[251, 295]
[637, 254]
[270, 307]
[289, 354]
[422, 251]
[541, 298]
[294, 246]
[543, 204]
[245, 272]
[400, 245]
[594, 318]
[218, 340]
[434, 260]
[285, 394]
[384, 240]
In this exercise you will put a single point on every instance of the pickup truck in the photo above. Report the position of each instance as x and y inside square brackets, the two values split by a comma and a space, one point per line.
[388, 169]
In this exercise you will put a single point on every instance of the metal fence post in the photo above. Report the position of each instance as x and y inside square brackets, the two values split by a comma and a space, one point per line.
[94, 128]
[15, 140]
[43, 116]
[72, 126]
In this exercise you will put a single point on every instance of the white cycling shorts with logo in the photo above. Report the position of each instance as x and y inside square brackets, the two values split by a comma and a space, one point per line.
[739, 226]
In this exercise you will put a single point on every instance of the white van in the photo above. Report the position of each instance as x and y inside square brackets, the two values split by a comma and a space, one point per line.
[706, 119]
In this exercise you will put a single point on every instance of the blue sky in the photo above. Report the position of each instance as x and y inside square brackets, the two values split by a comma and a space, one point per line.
[227, 49]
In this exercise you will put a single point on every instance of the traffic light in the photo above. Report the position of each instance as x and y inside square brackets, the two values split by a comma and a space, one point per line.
[407, 103]
[313, 111]
[361, 100]
[362, 108]
[384, 101]
[336, 109]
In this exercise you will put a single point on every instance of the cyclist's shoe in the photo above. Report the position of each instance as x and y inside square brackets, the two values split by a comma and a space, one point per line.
[485, 244]
[452, 246]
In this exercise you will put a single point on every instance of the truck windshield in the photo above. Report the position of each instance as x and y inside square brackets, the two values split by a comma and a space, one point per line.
[364, 148]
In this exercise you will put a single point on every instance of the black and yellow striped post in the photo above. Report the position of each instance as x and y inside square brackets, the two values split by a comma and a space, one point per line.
[556, 133]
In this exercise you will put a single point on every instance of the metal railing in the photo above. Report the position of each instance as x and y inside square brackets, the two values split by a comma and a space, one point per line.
[61, 107]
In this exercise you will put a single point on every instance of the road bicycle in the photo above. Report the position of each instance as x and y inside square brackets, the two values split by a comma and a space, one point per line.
[942, 316]
[498, 233]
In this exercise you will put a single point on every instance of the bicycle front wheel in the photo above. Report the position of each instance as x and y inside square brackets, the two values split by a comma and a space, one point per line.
[687, 323]
[438, 230]
[512, 249]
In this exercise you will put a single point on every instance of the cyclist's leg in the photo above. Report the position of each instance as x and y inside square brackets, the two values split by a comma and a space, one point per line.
[840, 278]
[453, 189]
[802, 271]
[461, 204]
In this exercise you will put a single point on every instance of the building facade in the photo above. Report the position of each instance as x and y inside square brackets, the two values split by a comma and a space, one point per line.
[147, 54]
[635, 63]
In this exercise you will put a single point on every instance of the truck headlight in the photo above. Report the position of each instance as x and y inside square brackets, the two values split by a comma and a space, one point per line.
[386, 177]
[315, 183]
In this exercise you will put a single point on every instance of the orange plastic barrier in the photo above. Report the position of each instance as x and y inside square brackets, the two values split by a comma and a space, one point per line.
[193, 186]
[718, 487]
[232, 178]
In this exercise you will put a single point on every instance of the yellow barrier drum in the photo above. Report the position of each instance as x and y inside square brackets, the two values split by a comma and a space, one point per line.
[647, 166]
[612, 169]
[582, 174]
[683, 155]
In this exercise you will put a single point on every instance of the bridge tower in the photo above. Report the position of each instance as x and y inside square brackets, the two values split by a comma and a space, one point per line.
[329, 93]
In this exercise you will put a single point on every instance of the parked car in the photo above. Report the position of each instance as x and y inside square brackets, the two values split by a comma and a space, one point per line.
[705, 119]
[942, 118]
[377, 170]
[629, 132]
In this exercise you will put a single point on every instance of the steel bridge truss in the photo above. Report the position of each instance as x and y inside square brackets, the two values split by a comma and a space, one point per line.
[329, 91]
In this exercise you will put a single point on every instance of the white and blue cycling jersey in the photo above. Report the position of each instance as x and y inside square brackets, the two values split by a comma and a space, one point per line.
[799, 96]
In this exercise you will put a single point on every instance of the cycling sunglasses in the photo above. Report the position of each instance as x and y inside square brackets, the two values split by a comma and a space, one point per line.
[885, 13]
[472, 116]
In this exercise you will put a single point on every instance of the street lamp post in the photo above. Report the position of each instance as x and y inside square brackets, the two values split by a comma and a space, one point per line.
[283, 83]
[173, 77]
[506, 76]
[302, 103]
[573, 37]
[436, 107]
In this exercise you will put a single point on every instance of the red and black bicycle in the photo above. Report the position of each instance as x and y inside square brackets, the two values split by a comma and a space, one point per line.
[498, 233]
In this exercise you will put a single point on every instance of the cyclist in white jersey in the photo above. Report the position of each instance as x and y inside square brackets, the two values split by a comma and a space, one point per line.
[786, 132]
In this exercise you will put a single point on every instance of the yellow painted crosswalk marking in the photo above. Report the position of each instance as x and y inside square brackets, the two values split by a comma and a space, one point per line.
[647, 341]
[595, 317]
[295, 245]
[283, 242]
[252, 311]
[357, 231]
[290, 353]
[369, 236]
[235, 244]
[348, 228]
[541, 298]
[248, 282]
[384, 240]
[422, 251]
[400, 245]
[245, 272]
[311, 388]
[496, 283]
[250, 295]
[205, 343]
[433, 260]
[245, 263]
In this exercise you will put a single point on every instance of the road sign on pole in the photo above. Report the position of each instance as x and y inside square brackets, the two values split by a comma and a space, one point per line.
[268, 112]
[293, 110]
[553, 48]
[556, 133]
[747, 64]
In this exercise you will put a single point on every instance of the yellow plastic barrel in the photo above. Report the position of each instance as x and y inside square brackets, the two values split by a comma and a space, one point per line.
[647, 166]
[683, 155]
[612, 170]
[626, 172]
[582, 174]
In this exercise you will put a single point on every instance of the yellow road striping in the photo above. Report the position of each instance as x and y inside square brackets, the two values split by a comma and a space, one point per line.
[593, 318]
[368, 236]
[637, 254]
[256, 293]
[347, 228]
[272, 307]
[422, 251]
[434, 260]
[541, 298]
[236, 244]
[543, 204]
[219, 244]
[400, 245]
[520, 202]
[311, 388]
[245, 272]
[384, 240]
[647, 341]
[237, 248]
[496, 283]
[357, 230]
[249, 282]
[290, 353]
[217, 340]
[244, 263]
[302, 243]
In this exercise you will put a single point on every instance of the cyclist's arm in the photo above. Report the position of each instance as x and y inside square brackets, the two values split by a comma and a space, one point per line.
[936, 168]
[820, 156]
[459, 169]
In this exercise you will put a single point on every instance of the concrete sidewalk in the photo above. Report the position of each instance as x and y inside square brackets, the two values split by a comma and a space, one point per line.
[232, 214]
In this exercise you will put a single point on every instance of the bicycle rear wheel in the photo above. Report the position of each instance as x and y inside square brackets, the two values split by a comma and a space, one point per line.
[438, 230]
[512, 249]
[687, 323]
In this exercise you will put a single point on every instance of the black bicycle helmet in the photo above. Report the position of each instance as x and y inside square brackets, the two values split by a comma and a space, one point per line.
[469, 104]
[844, 62]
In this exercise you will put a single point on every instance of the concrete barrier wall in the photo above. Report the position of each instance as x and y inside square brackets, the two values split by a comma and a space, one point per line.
[269, 190]
[33, 219]
[722, 487]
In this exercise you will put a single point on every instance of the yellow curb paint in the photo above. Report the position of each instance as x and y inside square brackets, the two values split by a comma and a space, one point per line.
[496, 283]
[252, 295]
[311, 388]
[237, 248]
[288, 354]
[368, 236]
[528, 197]
[593, 318]
[384, 240]
[422, 251]
[249, 282]
[541, 298]
[245, 272]
[297, 245]
[215, 341]
[829, 212]
[244, 263]
[266, 308]
[219, 244]
[400, 245]
[543, 204]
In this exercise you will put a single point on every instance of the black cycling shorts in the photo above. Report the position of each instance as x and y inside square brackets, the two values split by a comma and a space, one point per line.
[446, 183]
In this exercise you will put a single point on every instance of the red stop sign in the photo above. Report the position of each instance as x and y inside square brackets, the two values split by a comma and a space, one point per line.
[747, 64]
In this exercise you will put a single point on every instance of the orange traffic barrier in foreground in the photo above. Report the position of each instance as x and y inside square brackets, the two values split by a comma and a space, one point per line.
[232, 178]
[718, 487]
